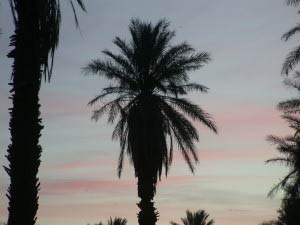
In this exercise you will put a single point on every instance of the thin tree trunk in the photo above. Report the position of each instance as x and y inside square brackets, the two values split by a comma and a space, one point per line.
[25, 123]
[146, 191]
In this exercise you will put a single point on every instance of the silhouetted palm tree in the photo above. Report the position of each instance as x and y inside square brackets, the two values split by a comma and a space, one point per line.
[150, 76]
[117, 221]
[34, 41]
[114, 221]
[197, 218]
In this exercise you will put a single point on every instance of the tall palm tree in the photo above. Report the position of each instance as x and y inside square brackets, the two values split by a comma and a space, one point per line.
[34, 41]
[150, 80]
[197, 218]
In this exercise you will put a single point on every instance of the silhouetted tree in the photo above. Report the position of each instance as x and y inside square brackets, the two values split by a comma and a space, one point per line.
[150, 78]
[199, 217]
[34, 41]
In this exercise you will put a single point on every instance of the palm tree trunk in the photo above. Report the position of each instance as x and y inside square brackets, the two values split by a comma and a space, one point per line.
[146, 192]
[25, 123]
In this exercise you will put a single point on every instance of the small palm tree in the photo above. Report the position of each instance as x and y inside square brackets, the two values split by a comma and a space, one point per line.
[114, 221]
[117, 221]
[150, 78]
[199, 217]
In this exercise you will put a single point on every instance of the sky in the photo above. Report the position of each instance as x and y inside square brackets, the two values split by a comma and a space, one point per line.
[79, 183]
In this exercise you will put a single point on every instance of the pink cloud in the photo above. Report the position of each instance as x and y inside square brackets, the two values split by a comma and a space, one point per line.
[248, 116]
[74, 186]
[86, 185]
[79, 165]
[227, 155]
[219, 155]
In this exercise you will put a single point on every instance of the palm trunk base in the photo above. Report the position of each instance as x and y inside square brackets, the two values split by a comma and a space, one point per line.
[148, 214]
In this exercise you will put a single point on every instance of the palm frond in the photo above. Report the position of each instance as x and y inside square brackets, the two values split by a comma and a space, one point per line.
[281, 185]
[290, 105]
[285, 161]
[286, 36]
[293, 2]
[291, 61]
[194, 111]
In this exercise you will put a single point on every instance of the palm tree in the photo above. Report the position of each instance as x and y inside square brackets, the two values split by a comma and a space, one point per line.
[34, 41]
[117, 221]
[114, 221]
[150, 78]
[199, 217]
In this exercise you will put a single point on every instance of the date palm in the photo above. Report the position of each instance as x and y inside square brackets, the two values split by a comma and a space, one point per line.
[149, 81]
[34, 41]
[197, 218]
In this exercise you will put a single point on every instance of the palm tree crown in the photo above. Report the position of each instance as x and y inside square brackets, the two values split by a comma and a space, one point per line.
[197, 218]
[48, 15]
[150, 80]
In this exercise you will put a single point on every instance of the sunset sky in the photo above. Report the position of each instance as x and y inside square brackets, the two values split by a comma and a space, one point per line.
[79, 182]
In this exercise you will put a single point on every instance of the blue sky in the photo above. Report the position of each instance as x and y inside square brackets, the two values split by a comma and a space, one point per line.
[78, 171]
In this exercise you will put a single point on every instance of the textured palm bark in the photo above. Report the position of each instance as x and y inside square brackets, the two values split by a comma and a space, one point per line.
[25, 124]
[146, 191]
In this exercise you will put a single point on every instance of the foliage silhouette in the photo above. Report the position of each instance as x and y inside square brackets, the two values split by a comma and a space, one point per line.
[289, 147]
[150, 78]
[34, 41]
[117, 221]
[289, 211]
[199, 217]
[114, 221]
[293, 2]
[293, 57]
[271, 222]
